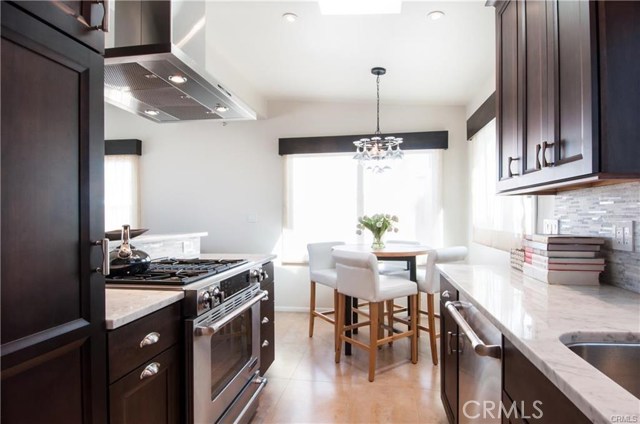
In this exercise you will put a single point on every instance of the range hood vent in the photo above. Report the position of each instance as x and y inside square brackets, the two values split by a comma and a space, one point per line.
[148, 74]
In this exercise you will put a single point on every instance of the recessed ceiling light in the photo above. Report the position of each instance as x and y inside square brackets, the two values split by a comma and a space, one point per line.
[221, 108]
[178, 79]
[435, 15]
[290, 17]
[152, 112]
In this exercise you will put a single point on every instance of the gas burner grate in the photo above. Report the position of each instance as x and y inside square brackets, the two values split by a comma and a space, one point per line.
[179, 271]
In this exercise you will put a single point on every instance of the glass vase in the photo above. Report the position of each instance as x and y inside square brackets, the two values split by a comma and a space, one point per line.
[377, 242]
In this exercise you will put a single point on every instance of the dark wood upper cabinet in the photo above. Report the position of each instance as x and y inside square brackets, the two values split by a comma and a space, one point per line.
[52, 302]
[509, 132]
[568, 93]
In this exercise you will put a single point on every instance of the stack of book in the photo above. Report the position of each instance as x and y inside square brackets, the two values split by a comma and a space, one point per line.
[557, 259]
[517, 258]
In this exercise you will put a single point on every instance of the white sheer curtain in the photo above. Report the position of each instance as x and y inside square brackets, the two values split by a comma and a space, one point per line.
[121, 194]
[498, 221]
[326, 193]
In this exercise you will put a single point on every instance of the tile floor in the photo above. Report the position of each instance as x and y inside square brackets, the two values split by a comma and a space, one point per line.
[307, 386]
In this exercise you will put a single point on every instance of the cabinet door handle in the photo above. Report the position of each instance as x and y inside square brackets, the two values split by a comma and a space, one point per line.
[105, 269]
[265, 320]
[150, 370]
[149, 339]
[538, 148]
[265, 343]
[509, 161]
[545, 146]
[80, 18]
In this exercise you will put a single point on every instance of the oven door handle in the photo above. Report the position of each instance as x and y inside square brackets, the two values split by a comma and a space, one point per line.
[209, 330]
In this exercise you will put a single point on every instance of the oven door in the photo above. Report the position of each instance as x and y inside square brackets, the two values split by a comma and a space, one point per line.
[226, 362]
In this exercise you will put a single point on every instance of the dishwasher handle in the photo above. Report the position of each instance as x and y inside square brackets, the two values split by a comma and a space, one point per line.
[479, 347]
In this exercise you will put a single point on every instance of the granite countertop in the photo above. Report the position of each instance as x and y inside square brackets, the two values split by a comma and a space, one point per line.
[536, 316]
[127, 304]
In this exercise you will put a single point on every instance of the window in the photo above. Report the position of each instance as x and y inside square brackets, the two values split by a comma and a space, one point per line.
[326, 193]
[121, 191]
[498, 221]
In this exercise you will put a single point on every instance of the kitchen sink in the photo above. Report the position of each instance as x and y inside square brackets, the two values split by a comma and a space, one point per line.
[617, 360]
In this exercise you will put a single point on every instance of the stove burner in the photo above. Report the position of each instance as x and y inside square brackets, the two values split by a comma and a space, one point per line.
[179, 271]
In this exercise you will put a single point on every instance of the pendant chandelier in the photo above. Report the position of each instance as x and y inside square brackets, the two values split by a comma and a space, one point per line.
[376, 153]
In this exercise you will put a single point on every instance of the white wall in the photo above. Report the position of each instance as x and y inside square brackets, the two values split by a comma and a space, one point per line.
[202, 176]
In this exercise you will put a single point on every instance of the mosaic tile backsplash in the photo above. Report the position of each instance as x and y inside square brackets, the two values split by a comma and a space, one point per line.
[594, 212]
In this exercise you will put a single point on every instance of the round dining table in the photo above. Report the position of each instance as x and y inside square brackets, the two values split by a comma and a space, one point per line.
[392, 252]
[403, 252]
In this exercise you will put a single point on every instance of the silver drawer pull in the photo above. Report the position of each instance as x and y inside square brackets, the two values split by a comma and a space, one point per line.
[150, 370]
[149, 339]
[265, 320]
[265, 343]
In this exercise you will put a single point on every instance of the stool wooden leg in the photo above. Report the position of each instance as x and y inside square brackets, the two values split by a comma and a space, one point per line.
[339, 327]
[431, 316]
[414, 328]
[390, 319]
[418, 314]
[312, 307]
[336, 317]
[373, 339]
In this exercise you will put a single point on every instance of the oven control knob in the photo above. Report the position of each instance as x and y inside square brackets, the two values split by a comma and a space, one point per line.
[205, 300]
[264, 274]
[258, 274]
[217, 295]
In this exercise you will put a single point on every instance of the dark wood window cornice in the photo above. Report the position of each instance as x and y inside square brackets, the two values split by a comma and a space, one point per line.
[129, 146]
[481, 117]
[344, 143]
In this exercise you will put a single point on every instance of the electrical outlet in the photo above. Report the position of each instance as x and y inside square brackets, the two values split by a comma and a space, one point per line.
[623, 236]
[550, 226]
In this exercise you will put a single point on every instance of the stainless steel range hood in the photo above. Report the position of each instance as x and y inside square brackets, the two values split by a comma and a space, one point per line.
[155, 64]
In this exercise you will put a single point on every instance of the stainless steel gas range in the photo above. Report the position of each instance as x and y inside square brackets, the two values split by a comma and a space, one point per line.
[222, 322]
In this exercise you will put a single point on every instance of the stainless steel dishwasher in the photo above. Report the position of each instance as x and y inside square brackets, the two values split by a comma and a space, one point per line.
[480, 370]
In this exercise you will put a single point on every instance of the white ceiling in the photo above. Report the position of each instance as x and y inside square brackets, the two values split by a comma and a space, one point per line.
[328, 58]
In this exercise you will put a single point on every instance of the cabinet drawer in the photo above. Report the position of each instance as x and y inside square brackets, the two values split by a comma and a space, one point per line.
[126, 347]
[150, 393]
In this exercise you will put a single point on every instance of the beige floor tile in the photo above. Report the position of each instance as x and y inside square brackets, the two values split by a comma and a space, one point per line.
[307, 386]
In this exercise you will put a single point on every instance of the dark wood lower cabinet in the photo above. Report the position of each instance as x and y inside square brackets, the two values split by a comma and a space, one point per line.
[146, 369]
[142, 397]
[536, 398]
[448, 353]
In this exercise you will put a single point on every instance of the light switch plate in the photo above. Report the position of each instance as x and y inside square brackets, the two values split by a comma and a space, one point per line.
[550, 226]
[623, 236]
